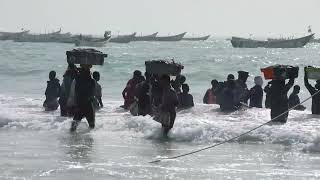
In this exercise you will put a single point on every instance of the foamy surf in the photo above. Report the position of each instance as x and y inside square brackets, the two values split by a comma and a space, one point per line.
[203, 124]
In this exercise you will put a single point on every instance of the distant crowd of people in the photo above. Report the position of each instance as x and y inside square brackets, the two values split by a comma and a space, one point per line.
[80, 95]
[233, 94]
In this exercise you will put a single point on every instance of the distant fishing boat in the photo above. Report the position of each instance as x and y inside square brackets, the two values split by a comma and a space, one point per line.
[196, 38]
[12, 35]
[56, 36]
[96, 43]
[177, 37]
[123, 38]
[93, 42]
[280, 43]
[150, 37]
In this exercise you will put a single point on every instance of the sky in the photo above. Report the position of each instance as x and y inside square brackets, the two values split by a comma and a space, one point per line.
[267, 18]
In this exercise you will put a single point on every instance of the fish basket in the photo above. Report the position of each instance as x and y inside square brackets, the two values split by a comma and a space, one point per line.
[161, 67]
[313, 72]
[85, 56]
[279, 72]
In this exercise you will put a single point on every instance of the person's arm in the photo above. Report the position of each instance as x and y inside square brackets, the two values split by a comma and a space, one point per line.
[72, 95]
[100, 101]
[205, 98]
[46, 92]
[248, 94]
[192, 103]
[289, 85]
[308, 85]
[100, 96]
[59, 89]
[124, 93]
[62, 89]
[266, 89]
[175, 99]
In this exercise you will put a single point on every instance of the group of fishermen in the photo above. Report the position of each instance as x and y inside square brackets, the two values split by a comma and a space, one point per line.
[233, 94]
[79, 95]
[158, 96]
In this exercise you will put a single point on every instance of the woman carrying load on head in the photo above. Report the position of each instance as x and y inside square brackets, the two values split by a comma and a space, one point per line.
[279, 99]
[313, 90]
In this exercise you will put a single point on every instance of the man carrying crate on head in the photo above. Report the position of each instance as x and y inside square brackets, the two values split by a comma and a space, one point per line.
[83, 87]
[165, 110]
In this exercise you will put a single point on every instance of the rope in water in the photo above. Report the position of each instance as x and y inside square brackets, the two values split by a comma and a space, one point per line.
[231, 139]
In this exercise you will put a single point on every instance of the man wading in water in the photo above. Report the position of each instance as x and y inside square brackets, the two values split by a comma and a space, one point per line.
[84, 90]
[169, 103]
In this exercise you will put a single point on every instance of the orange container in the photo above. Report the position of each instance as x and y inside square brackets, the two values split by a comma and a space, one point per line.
[268, 73]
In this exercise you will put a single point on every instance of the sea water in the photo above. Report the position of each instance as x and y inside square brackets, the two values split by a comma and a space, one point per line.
[38, 145]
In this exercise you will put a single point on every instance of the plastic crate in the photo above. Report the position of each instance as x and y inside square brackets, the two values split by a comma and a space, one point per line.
[161, 67]
[280, 72]
[85, 56]
[313, 72]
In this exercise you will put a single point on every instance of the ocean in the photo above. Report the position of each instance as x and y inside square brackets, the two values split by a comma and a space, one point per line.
[38, 145]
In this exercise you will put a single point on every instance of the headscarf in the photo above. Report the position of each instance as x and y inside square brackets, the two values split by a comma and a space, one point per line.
[258, 80]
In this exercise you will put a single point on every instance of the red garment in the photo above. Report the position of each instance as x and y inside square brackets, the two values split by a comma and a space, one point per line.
[211, 97]
[128, 93]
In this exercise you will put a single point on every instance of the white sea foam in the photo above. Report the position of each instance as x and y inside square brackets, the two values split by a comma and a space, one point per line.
[201, 124]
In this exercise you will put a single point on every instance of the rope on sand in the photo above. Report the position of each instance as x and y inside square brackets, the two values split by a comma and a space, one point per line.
[233, 138]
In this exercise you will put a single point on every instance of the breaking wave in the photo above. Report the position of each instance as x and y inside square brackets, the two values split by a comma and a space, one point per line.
[203, 124]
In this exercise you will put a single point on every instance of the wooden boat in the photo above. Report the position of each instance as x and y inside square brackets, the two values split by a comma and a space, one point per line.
[177, 37]
[285, 43]
[90, 43]
[56, 36]
[196, 38]
[12, 35]
[123, 38]
[43, 37]
[150, 37]
[94, 42]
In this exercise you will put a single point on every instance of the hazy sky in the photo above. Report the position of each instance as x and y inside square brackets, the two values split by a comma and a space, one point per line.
[216, 17]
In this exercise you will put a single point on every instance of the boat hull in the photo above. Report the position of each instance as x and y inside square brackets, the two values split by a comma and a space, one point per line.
[177, 37]
[41, 38]
[150, 37]
[123, 38]
[85, 43]
[291, 43]
[196, 38]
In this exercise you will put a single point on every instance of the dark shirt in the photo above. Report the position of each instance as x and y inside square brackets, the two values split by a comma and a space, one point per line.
[315, 99]
[68, 78]
[241, 92]
[84, 89]
[169, 100]
[143, 94]
[156, 92]
[53, 89]
[279, 95]
[256, 96]
[228, 100]
[267, 90]
[168, 105]
[218, 92]
[279, 100]
[293, 100]
[185, 100]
